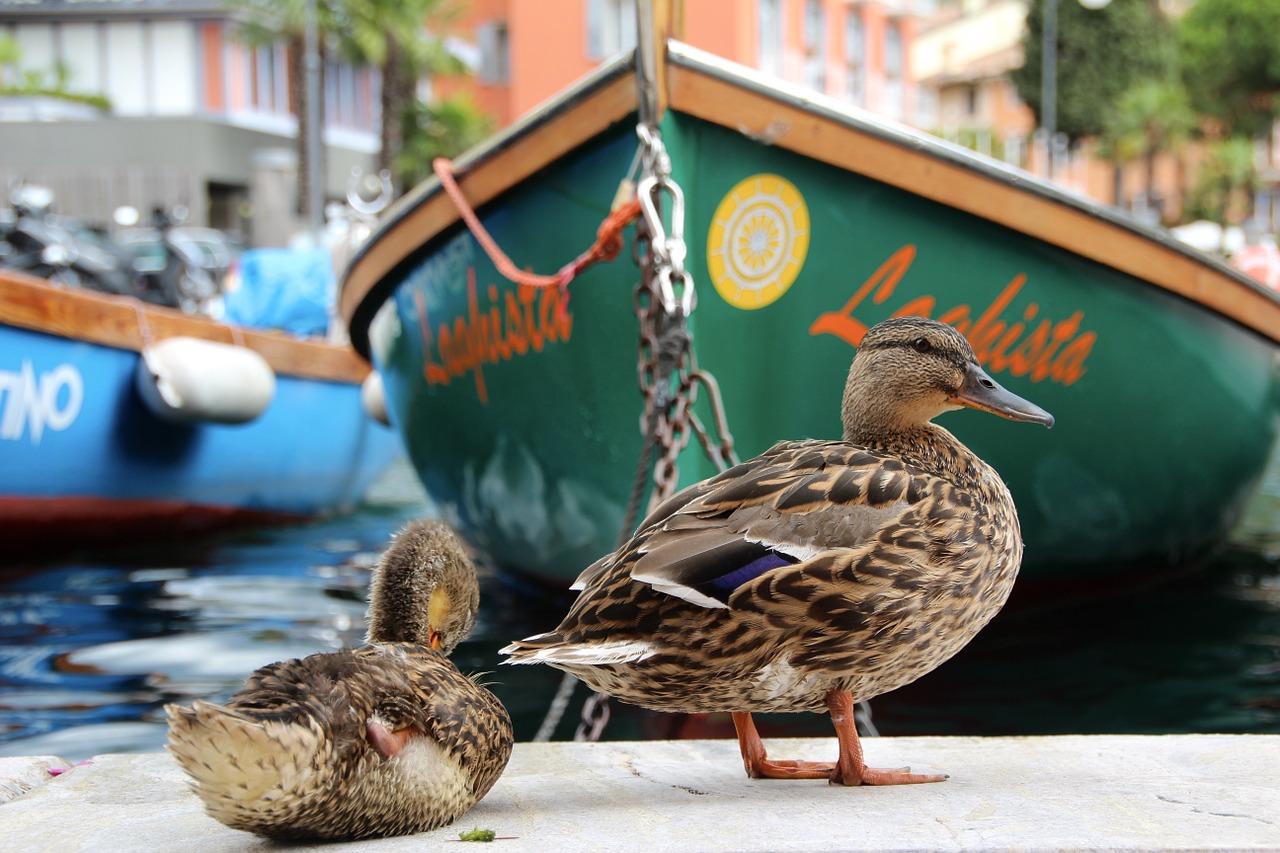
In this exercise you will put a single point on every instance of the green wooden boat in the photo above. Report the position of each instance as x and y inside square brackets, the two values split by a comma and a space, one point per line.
[807, 221]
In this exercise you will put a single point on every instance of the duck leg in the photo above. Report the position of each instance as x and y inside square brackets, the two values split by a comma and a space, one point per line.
[388, 743]
[758, 764]
[850, 769]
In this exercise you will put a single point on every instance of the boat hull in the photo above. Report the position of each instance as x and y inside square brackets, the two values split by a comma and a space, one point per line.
[521, 412]
[83, 460]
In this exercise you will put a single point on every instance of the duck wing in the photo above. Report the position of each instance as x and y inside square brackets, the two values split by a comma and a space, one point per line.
[468, 722]
[781, 508]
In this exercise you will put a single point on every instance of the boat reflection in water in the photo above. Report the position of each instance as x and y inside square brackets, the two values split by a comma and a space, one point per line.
[90, 653]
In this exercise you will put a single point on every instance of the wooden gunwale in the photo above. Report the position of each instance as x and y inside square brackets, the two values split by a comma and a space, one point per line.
[1083, 229]
[703, 86]
[32, 303]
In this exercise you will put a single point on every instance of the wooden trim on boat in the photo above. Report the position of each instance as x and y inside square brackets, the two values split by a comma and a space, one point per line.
[798, 121]
[125, 323]
[430, 212]
[923, 173]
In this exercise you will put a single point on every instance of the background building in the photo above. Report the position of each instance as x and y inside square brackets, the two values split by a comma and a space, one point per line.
[964, 55]
[196, 117]
[857, 50]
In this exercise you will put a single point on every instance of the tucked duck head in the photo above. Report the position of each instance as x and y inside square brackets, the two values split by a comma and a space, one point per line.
[909, 370]
[385, 739]
[424, 590]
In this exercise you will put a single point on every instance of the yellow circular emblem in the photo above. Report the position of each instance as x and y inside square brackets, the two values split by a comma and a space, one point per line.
[758, 240]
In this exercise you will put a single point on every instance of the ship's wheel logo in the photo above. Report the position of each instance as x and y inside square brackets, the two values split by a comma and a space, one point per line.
[758, 240]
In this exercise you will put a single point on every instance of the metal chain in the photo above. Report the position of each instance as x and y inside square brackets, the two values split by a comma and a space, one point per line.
[665, 297]
[719, 450]
[666, 367]
[595, 716]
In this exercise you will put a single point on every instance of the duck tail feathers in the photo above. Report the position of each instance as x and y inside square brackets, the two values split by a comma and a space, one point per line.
[239, 766]
[554, 650]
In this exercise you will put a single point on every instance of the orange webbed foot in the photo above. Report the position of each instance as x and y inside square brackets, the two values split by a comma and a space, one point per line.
[850, 769]
[865, 775]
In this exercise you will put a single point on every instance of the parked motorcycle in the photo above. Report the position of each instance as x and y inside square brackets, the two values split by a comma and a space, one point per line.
[165, 264]
[185, 265]
[60, 250]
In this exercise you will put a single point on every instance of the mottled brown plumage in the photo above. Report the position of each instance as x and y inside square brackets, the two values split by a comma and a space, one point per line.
[817, 573]
[386, 739]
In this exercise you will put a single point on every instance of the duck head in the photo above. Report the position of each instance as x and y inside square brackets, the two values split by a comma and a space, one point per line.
[424, 589]
[909, 370]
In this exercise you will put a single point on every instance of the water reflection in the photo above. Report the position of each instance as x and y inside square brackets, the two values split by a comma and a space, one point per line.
[90, 652]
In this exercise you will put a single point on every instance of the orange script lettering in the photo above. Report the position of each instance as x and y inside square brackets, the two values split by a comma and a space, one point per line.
[1039, 349]
[503, 329]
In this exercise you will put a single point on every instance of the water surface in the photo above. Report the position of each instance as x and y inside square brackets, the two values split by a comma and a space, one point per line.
[91, 650]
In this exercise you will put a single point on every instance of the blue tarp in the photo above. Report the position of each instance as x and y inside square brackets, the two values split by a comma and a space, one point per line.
[288, 289]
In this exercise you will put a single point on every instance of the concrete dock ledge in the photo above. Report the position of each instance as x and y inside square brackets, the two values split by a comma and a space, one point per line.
[1178, 792]
[19, 776]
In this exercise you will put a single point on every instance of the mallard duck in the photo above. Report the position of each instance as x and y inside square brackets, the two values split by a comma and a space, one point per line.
[818, 573]
[385, 739]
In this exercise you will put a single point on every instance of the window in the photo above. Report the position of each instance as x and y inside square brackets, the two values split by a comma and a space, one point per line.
[770, 57]
[264, 78]
[893, 72]
[611, 27]
[495, 53]
[855, 58]
[815, 54]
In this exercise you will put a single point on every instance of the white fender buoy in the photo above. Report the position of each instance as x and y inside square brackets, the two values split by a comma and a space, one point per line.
[373, 396]
[189, 380]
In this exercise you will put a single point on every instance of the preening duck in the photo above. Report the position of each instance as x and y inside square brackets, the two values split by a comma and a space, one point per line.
[386, 739]
[818, 573]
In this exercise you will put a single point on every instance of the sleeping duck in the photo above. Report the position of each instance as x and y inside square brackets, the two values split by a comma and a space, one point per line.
[385, 739]
[817, 574]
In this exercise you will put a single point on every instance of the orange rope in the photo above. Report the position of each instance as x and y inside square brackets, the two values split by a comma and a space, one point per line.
[606, 247]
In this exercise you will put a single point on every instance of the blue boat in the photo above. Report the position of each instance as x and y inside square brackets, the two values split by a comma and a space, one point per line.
[101, 442]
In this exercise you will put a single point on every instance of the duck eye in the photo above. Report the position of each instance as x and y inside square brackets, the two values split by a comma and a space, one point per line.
[921, 345]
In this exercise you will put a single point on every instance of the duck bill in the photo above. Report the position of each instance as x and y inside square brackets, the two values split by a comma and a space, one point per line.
[433, 639]
[980, 391]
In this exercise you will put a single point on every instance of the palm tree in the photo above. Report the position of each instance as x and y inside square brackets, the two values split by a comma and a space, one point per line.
[1148, 119]
[386, 34]
[442, 128]
[264, 22]
[395, 36]
[1226, 182]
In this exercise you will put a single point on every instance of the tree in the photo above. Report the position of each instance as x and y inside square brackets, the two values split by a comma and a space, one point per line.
[1231, 63]
[1101, 54]
[396, 37]
[266, 22]
[1147, 119]
[1226, 180]
[386, 34]
[443, 128]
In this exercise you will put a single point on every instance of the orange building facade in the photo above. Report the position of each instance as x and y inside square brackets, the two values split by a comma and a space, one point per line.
[856, 50]
[942, 67]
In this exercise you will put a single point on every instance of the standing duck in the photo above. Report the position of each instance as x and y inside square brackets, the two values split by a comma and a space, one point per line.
[818, 573]
[385, 739]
